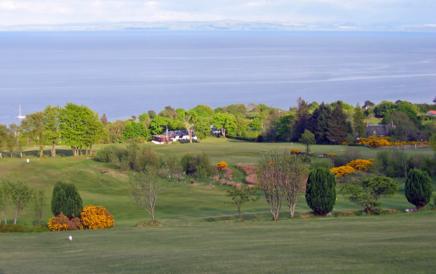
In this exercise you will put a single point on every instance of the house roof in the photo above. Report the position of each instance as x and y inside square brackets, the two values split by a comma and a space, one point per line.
[431, 113]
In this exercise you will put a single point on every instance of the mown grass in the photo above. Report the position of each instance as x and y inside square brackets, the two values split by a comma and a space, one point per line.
[199, 231]
[378, 244]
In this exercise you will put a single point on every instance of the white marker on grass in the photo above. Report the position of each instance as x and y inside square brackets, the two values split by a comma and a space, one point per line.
[70, 238]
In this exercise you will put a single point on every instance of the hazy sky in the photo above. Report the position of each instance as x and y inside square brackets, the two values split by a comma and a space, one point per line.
[384, 13]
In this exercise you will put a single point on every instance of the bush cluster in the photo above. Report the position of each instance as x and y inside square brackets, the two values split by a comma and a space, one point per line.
[96, 217]
[66, 200]
[352, 167]
[197, 165]
[397, 163]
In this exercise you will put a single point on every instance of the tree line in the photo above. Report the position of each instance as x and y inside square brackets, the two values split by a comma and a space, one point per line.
[80, 128]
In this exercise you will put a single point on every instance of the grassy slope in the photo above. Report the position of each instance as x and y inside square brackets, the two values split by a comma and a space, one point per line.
[188, 243]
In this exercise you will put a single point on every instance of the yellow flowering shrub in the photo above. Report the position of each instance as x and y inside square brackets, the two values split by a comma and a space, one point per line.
[341, 171]
[222, 165]
[375, 141]
[95, 217]
[58, 223]
[361, 164]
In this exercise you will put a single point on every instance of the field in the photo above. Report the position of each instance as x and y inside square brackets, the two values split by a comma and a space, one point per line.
[199, 233]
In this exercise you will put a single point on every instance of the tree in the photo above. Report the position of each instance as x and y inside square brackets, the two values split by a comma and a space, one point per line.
[240, 196]
[52, 127]
[401, 126]
[4, 201]
[302, 119]
[418, 188]
[66, 199]
[281, 176]
[33, 127]
[39, 203]
[307, 138]
[318, 123]
[80, 127]
[188, 123]
[367, 192]
[144, 190]
[226, 122]
[359, 122]
[338, 127]
[294, 180]
[135, 131]
[321, 191]
[3, 139]
[20, 195]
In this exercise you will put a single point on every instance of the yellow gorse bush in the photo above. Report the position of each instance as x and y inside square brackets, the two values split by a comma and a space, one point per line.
[341, 171]
[352, 167]
[361, 164]
[295, 151]
[95, 217]
[222, 165]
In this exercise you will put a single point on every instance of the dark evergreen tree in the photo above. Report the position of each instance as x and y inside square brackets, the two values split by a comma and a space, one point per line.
[321, 191]
[66, 199]
[418, 188]
[302, 119]
[338, 127]
[318, 123]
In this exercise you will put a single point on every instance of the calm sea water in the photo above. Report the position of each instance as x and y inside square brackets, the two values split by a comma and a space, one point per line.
[126, 73]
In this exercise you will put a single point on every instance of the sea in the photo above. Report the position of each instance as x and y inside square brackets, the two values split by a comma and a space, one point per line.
[124, 73]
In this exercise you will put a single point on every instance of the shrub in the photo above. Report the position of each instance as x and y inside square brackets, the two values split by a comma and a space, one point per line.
[375, 141]
[111, 154]
[321, 191]
[342, 171]
[221, 165]
[418, 188]
[367, 192]
[349, 155]
[361, 164]
[171, 168]
[66, 200]
[197, 165]
[140, 159]
[58, 223]
[392, 163]
[95, 217]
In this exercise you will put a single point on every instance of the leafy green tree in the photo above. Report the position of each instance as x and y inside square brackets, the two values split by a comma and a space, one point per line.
[66, 199]
[307, 138]
[39, 204]
[321, 191]
[338, 127]
[134, 130]
[403, 128]
[52, 127]
[20, 195]
[359, 122]
[80, 127]
[240, 196]
[158, 125]
[4, 202]
[33, 127]
[226, 123]
[418, 188]
[384, 108]
[366, 193]
[3, 139]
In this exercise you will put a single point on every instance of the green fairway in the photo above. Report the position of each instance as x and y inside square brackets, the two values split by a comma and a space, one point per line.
[199, 233]
[389, 244]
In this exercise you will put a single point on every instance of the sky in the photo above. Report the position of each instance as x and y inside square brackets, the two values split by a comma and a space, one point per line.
[363, 14]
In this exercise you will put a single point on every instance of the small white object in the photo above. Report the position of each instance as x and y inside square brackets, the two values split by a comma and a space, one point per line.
[70, 238]
[28, 160]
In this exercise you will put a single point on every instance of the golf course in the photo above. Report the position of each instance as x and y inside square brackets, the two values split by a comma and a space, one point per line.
[199, 230]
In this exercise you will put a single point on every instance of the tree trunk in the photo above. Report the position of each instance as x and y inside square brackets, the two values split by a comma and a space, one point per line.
[292, 210]
[190, 135]
[16, 216]
[41, 151]
[223, 132]
[53, 150]
[307, 149]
